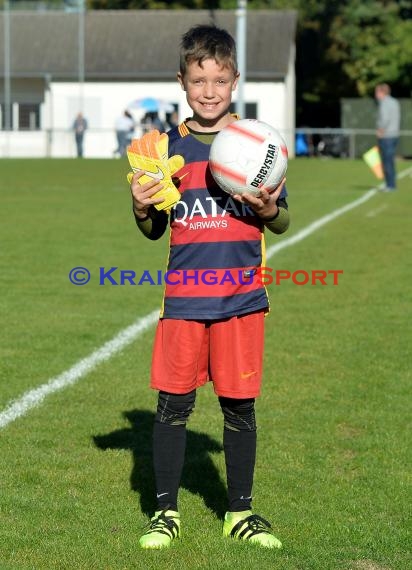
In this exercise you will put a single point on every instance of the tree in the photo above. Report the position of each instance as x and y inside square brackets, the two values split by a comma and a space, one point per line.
[371, 41]
[345, 48]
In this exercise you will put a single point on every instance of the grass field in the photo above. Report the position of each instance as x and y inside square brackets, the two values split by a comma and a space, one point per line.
[333, 467]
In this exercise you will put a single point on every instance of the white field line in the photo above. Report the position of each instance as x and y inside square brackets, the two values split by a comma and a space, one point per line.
[305, 232]
[33, 398]
[376, 211]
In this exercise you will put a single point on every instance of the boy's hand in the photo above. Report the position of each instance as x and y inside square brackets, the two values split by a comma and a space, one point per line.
[265, 204]
[143, 195]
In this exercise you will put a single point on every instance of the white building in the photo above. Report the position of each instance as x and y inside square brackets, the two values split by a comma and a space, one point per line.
[127, 55]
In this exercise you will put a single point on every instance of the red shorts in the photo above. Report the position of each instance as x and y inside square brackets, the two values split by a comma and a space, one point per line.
[228, 352]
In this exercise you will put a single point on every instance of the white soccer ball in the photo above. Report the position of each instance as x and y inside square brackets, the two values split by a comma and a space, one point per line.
[248, 155]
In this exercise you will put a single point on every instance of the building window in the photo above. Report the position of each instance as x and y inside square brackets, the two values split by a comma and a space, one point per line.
[3, 117]
[250, 110]
[29, 117]
[23, 116]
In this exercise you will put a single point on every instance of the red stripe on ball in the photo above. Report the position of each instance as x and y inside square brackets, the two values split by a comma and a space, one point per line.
[228, 172]
[246, 133]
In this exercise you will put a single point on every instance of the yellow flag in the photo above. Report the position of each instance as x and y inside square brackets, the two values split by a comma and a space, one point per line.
[372, 158]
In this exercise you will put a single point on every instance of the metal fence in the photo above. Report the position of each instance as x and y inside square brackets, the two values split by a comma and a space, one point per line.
[101, 143]
[344, 143]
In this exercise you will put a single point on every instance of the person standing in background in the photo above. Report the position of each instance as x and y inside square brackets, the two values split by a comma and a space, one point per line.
[124, 127]
[152, 121]
[79, 127]
[387, 132]
[172, 120]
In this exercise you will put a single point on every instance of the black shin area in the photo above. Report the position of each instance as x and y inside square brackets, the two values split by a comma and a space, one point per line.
[239, 442]
[169, 444]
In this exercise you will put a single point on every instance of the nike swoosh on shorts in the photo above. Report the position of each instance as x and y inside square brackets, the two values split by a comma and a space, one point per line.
[246, 375]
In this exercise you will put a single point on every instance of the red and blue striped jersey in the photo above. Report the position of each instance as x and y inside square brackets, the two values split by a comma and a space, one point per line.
[216, 244]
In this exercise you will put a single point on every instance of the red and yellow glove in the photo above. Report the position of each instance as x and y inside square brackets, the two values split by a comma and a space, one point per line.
[150, 155]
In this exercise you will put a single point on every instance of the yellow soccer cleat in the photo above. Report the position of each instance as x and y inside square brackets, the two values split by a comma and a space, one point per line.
[246, 526]
[163, 529]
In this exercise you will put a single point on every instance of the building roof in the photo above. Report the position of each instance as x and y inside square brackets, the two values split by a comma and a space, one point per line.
[137, 44]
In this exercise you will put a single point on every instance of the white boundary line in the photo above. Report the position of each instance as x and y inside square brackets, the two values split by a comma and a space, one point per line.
[33, 398]
[305, 232]
[376, 211]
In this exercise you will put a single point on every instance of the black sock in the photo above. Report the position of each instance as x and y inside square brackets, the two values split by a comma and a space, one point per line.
[169, 443]
[240, 456]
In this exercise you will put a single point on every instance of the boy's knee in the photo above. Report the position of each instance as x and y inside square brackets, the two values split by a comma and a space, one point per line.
[175, 409]
[239, 414]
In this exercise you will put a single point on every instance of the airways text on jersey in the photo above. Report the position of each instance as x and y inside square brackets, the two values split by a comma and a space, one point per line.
[215, 210]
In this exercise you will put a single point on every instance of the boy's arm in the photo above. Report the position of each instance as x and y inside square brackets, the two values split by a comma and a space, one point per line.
[280, 221]
[271, 208]
[153, 225]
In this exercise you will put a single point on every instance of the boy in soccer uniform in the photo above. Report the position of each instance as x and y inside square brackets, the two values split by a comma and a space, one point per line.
[211, 323]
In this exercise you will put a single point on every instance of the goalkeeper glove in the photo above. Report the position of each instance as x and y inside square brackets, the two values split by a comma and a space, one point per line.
[150, 155]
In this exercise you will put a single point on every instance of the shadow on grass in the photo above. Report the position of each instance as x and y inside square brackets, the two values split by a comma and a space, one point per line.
[200, 476]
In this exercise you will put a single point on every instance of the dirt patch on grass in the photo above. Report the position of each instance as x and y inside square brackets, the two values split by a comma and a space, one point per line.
[348, 431]
[367, 565]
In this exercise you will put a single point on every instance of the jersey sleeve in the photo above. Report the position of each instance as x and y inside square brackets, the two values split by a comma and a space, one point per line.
[154, 225]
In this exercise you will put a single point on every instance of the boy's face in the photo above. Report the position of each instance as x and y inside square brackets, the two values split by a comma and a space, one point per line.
[209, 92]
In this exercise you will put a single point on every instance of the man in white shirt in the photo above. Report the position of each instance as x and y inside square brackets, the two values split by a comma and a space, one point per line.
[124, 127]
